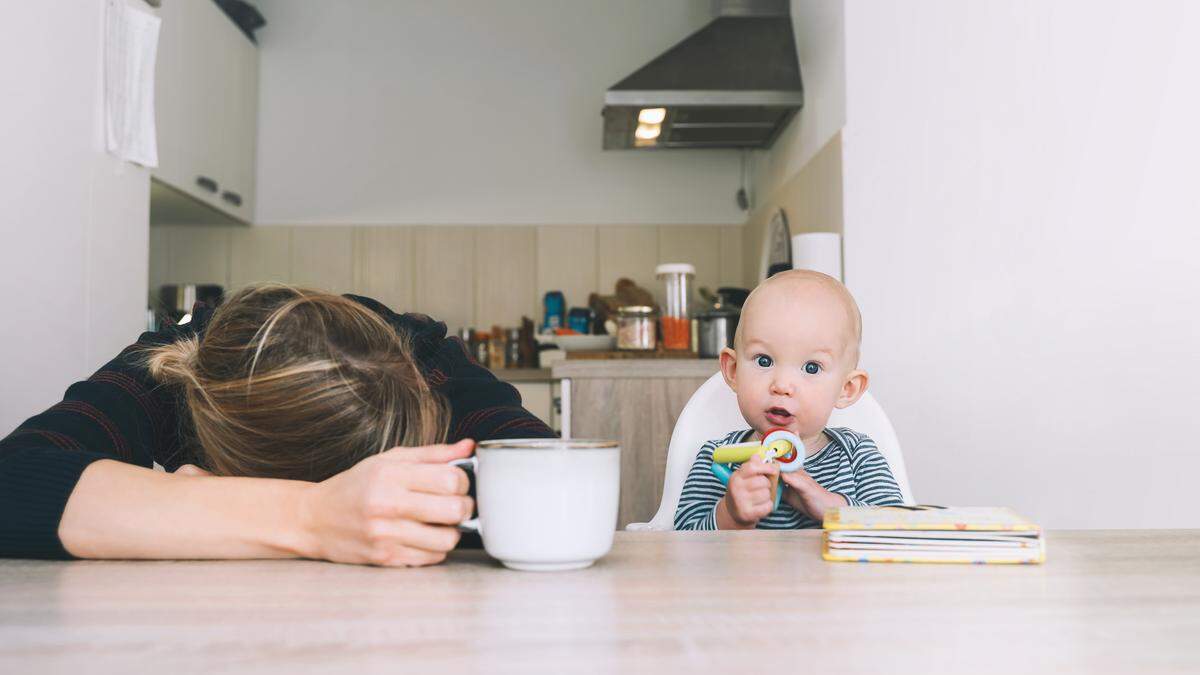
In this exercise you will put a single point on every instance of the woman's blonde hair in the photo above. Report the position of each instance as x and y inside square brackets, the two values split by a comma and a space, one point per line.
[296, 383]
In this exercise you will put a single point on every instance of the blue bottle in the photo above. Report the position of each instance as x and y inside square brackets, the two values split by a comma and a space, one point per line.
[555, 307]
[579, 319]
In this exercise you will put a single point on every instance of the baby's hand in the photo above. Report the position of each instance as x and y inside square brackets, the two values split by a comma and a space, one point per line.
[751, 494]
[807, 496]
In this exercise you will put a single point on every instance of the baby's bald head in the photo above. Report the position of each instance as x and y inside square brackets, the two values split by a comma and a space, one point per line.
[786, 295]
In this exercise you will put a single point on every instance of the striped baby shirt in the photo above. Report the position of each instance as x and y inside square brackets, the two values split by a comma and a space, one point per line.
[850, 465]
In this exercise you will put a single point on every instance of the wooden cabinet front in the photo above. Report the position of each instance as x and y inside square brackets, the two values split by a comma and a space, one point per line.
[636, 402]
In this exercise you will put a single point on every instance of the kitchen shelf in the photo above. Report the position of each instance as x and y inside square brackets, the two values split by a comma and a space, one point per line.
[523, 374]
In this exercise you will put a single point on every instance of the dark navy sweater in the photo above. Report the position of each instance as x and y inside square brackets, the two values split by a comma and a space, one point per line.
[121, 413]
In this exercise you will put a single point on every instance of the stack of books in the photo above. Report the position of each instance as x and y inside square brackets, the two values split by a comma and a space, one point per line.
[931, 534]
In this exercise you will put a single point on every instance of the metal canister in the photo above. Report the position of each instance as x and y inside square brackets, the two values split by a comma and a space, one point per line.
[716, 328]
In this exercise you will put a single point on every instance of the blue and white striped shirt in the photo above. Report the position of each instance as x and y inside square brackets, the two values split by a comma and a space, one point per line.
[850, 465]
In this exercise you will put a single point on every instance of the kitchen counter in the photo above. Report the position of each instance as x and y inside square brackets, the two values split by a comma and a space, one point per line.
[635, 368]
[524, 374]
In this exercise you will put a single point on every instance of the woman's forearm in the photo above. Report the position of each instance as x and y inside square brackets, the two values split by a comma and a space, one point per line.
[399, 507]
[122, 511]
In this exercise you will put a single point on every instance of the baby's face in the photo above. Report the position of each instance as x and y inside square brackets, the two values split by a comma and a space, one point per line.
[793, 358]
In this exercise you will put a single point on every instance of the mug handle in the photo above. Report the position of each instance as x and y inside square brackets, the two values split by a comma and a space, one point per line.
[470, 524]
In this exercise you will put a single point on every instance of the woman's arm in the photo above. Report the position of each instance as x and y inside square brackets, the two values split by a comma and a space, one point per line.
[118, 413]
[396, 508]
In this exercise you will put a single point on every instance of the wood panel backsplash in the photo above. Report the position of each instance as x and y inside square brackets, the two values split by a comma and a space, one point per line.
[463, 275]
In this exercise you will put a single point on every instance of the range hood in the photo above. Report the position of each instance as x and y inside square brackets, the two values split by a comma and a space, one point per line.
[733, 84]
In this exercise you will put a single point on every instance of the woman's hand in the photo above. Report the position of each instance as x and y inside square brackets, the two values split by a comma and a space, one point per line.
[750, 497]
[398, 508]
[807, 496]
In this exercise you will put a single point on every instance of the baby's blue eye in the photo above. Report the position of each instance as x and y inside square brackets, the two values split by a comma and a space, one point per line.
[812, 367]
[763, 361]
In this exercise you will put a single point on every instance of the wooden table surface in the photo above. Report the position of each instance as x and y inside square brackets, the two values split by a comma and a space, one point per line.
[733, 602]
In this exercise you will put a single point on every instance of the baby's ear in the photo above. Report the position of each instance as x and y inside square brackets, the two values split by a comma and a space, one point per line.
[729, 367]
[853, 389]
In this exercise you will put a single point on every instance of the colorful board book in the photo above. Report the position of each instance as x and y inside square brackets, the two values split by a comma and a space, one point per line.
[931, 534]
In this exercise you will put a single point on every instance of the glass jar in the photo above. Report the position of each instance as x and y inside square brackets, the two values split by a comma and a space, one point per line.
[512, 349]
[471, 338]
[496, 349]
[479, 348]
[635, 327]
[676, 324]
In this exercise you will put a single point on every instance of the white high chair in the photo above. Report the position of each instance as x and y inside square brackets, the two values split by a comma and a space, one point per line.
[713, 412]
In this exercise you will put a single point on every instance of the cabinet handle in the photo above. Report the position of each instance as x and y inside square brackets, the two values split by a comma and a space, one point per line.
[206, 183]
[232, 197]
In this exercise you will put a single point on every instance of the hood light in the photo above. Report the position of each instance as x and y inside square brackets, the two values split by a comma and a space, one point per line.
[652, 115]
[648, 132]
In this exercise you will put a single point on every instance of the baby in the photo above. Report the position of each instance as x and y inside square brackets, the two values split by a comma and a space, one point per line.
[795, 360]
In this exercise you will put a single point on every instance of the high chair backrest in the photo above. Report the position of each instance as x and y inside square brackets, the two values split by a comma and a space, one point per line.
[712, 412]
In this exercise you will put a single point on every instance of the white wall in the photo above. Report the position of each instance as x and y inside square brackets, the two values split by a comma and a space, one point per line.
[1022, 220]
[819, 27]
[801, 172]
[470, 112]
[74, 223]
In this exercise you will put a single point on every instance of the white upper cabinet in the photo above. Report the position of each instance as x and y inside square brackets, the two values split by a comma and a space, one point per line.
[206, 98]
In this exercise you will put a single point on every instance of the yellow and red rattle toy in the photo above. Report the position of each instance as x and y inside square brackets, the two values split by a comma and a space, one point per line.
[777, 445]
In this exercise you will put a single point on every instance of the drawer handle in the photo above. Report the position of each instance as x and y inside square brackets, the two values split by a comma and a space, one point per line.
[206, 183]
[232, 197]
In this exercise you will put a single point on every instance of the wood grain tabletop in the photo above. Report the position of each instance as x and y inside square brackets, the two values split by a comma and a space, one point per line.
[661, 602]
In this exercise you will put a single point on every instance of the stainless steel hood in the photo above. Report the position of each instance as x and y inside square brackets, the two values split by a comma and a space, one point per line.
[733, 84]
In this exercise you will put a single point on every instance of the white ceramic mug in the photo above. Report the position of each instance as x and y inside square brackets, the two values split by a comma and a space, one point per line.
[545, 504]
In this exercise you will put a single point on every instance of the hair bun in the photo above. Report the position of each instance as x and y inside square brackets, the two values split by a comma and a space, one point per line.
[175, 361]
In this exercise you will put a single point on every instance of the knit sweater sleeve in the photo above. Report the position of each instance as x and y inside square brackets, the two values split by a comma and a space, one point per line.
[120, 413]
[115, 414]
